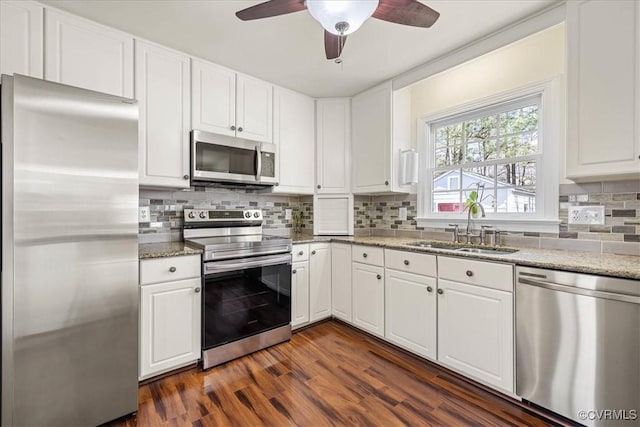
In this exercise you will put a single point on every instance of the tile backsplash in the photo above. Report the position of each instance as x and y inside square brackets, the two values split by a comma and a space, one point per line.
[378, 216]
[167, 206]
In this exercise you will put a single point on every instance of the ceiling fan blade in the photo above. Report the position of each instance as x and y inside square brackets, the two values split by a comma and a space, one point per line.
[271, 8]
[406, 12]
[333, 45]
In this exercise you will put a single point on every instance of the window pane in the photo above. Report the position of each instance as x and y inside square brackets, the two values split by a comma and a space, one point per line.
[516, 200]
[481, 128]
[517, 174]
[519, 120]
[481, 150]
[449, 156]
[449, 201]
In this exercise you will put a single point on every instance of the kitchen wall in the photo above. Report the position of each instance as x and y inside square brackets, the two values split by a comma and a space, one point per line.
[378, 216]
[166, 208]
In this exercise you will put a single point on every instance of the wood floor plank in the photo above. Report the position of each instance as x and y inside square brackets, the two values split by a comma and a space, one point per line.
[327, 375]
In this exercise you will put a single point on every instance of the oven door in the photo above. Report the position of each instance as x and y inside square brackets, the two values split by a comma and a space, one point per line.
[218, 158]
[243, 297]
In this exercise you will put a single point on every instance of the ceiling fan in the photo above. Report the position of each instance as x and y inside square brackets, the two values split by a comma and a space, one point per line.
[342, 17]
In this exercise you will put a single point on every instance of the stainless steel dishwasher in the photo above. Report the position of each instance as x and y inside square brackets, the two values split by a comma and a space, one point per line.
[578, 345]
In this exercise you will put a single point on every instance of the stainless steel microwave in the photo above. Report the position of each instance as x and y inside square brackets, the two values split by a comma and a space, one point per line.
[222, 159]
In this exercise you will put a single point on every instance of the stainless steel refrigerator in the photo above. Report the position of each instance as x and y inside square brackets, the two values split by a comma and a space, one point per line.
[69, 254]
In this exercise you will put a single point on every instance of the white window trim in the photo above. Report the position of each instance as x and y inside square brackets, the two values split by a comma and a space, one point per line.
[545, 219]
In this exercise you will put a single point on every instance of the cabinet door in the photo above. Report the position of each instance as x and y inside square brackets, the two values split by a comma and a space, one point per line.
[475, 332]
[603, 83]
[299, 293]
[82, 53]
[169, 326]
[214, 98]
[368, 297]
[410, 312]
[372, 140]
[293, 133]
[333, 145]
[341, 281]
[254, 111]
[319, 281]
[163, 89]
[21, 38]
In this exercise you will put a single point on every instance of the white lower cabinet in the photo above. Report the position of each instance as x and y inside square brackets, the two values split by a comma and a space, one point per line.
[319, 281]
[341, 281]
[410, 312]
[299, 293]
[169, 326]
[475, 332]
[368, 297]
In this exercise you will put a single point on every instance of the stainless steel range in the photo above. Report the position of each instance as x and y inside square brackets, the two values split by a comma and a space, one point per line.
[246, 283]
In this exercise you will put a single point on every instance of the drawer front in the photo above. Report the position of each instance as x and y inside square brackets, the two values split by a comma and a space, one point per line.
[301, 252]
[481, 273]
[169, 269]
[410, 262]
[368, 255]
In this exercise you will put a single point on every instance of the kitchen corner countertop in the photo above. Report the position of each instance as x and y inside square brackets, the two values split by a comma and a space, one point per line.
[163, 250]
[623, 266]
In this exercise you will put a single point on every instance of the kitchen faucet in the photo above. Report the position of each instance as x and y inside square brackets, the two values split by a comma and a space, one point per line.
[469, 232]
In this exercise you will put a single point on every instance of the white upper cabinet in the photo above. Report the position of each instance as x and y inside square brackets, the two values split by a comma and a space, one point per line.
[163, 88]
[381, 129]
[333, 145]
[21, 35]
[82, 53]
[603, 85]
[231, 104]
[293, 133]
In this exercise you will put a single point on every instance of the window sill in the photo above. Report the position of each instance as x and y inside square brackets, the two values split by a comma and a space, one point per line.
[505, 224]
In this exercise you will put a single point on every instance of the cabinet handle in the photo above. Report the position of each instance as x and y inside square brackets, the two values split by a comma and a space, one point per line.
[469, 273]
[293, 271]
[406, 262]
[364, 255]
[319, 186]
[300, 253]
[233, 128]
[441, 291]
[196, 290]
[185, 177]
[386, 183]
[379, 276]
[429, 289]
[313, 252]
[240, 129]
[172, 269]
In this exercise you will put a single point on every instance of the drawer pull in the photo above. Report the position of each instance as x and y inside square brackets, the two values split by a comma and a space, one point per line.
[196, 290]
[300, 253]
[172, 269]
[364, 255]
[406, 262]
[379, 276]
[293, 271]
[429, 289]
[313, 252]
[469, 273]
[441, 291]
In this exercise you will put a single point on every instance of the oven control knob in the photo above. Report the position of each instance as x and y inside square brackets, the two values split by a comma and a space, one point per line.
[256, 214]
[192, 215]
[203, 215]
[247, 214]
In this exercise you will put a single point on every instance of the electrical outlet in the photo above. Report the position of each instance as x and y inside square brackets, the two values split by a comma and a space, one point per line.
[287, 214]
[586, 215]
[402, 214]
[144, 214]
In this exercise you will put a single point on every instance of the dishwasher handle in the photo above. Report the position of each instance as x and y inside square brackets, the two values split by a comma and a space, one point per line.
[579, 291]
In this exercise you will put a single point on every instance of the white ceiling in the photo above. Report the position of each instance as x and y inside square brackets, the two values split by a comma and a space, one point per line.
[288, 50]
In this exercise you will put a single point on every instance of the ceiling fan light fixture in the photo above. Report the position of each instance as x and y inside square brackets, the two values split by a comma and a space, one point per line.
[341, 17]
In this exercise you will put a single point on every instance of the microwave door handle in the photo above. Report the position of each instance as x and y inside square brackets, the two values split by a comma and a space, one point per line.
[258, 163]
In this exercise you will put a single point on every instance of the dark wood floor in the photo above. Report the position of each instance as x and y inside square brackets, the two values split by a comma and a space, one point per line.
[329, 374]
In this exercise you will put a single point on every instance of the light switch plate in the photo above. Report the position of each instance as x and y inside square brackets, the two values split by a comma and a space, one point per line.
[586, 215]
[144, 214]
[287, 214]
[402, 214]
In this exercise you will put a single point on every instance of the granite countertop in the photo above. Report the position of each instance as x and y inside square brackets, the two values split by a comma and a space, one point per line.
[624, 266]
[163, 250]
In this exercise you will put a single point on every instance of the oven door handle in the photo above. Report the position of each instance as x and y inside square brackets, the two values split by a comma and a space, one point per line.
[234, 265]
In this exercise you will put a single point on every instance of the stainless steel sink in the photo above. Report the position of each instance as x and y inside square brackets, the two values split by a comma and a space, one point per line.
[488, 251]
[426, 245]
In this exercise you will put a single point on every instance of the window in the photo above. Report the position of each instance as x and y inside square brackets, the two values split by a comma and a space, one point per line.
[496, 149]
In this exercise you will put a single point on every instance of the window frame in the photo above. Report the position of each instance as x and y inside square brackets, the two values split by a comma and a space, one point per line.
[550, 118]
